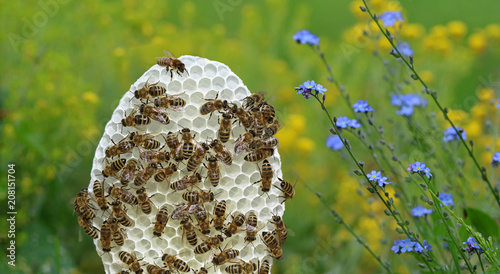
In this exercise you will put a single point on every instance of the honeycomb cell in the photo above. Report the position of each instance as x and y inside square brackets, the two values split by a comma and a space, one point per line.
[235, 193]
[227, 94]
[243, 203]
[240, 93]
[210, 70]
[199, 123]
[218, 83]
[250, 191]
[196, 72]
[191, 111]
[174, 87]
[197, 98]
[144, 245]
[205, 84]
[232, 82]
[189, 85]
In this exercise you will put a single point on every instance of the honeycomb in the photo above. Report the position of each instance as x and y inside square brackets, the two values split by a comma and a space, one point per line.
[206, 80]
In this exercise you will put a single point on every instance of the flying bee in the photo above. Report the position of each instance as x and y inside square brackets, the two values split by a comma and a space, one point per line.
[225, 127]
[201, 216]
[188, 231]
[83, 206]
[118, 235]
[244, 142]
[161, 221]
[259, 124]
[243, 116]
[165, 173]
[287, 189]
[129, 172]
[195, 160]
[235, 225]
[213, 105]
[173, 262]
[222, 152]
[144, 201]
[264, 268]
[154, 113]
[135, 120]
[121, 214]
[272, 243]
[186, 181]
[154, 269]
[225, 256]
[211, 243]
[219, 216]
[143, 177]
[145, 141]
[279, 229]
[101, 200]
[259, 155]
[187, 144]
[173, 102]
[151, 156]
[272, 129]
[171, 63]
[241, 268]
[91, 230]
[106, 237]
[266, 176]
[131, 261]
[123, 195]
[254, 100]
[213, 171]
[267, 143]
[114, 167]
[121, 148]
[194, 197]
[268, 112]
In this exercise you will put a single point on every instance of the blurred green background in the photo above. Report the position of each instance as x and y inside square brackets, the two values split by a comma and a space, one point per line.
[67, 63]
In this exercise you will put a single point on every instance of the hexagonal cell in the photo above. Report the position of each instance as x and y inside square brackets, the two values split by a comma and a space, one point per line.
[250, 191]
[240, 93]
[210, 70]
[227, 94]
[174, 87]
[243, 203]
[191, 111]
[223, 71]
[232, 82]
[235, 193]
[196, 72]
[144, 245]
[218, 83]
[189, 85]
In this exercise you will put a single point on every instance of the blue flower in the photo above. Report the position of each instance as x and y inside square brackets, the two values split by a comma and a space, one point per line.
[450, 134]
[362, 106]
[498, 104]
[420, 168]
[472, 245]
[391, 17]
[406, 102]
[353, 123]
[319, 88]
[405, 49]
[446, 198]
[495, 160]
[396, 246]
[374, 176]
[333, 142]
[406, 245]
[382, 181]
[308, 86]
[306, 37]
[427, 172]
[418, 248]
[405, 111]
[420, 211]
[427, 246]
[417, 166]
[342, 122]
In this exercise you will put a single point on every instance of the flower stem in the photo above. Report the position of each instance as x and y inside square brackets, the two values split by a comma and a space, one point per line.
[480, 261]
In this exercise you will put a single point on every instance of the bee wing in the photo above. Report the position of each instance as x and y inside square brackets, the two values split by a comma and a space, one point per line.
[177, 108]
[168, 54]
[178, 150]
[175, 96]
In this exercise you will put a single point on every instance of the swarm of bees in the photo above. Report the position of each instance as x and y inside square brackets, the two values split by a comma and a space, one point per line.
[181, 178]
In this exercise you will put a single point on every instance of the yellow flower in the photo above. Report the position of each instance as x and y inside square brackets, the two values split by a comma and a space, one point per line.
[457, 29]
[296, 122]
[457, 116]
[478, 112]
[443, 45]
[287, 138]
[473, 129]
[305, 145]
[493, 31]
[354, 7]
[384, 44]
[147, 28]
[90, 97]
[412, 31]
[118, 52]
[486, 94]
[478, 43]
[427, 76]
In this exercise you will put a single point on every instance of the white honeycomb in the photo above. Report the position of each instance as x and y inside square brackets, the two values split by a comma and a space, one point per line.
[206, 80]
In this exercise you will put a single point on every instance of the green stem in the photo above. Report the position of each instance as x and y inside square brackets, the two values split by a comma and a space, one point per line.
[480, 261]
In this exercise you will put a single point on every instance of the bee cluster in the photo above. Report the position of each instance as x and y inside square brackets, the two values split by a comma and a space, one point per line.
[187, 176]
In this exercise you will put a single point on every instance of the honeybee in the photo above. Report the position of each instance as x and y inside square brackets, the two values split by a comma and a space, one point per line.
[188, 231]
[82, 205]
[173, 102]
[213, 171]
[154, 269]
[171, 63]
[268, 112]
[244, 142]
[272, 129]
[259, 123]
[155, 90]
[197, 158]
[241, 268]
[213, 105]
[120, 214]
[120, 148]
[266, 176]
[267, 143]
[143, 93]
[272, 243]
[186, 145]
[251, 228]
[211, 243]
[144, 176]
[287, 189]
[254, 100]
[194, 197]
[101, 200]
[173, 262]
[173, 143]
[225, 127]
[279, 229]
[225, 256]
[118, 235]
[151, 156]
[113, 168]
[235, 225]
[145, 203]
[131, 261]
[123, 195]
[154, 113]
[201, 271]
[161, 221]
[264, 268]
[165, 172]
[259, 155]
[106, 237]
[219, 216]
[203, 222]
[144, 140]
[221, 152]
[129, 172]
[184, 209]
[88, 227]
[243, 116]
[135, 120]
[186, 181]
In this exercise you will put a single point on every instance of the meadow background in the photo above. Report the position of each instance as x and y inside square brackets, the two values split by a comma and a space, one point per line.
[65, 64]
